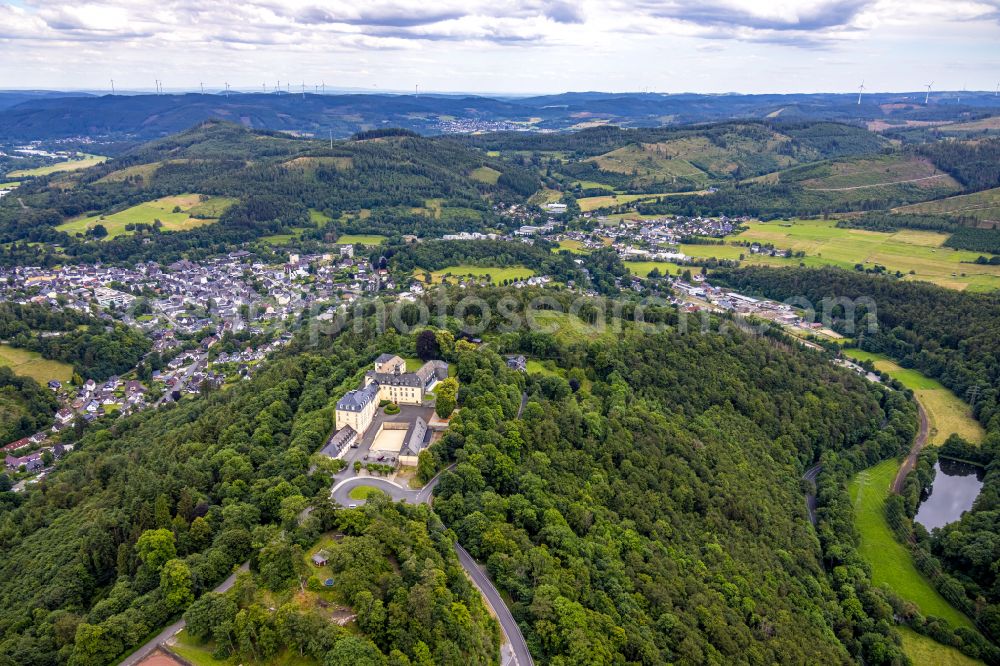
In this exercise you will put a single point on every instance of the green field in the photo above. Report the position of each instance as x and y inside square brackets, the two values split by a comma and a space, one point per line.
[319, 218]
[564, 326]
[68, 165]
[983, 206]
[485, 174]
[826, 244]
[544, 196]
[890, 560]
[31, 364]
[9, 185]
[189, 205]
[659, 162]
[925, 651]
[361, 239]
[946, 413]
[281, 239]
[592, 185]
[588, 204]
[496, 274]
[539, 367]
[574, 246]
[642, 268]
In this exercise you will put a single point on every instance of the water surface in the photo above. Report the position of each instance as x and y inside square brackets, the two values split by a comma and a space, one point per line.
[956, 486]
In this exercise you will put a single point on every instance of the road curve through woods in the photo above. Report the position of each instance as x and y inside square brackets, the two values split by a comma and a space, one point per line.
[173, 629]
[811, 475]
[520, 656]
[911, 459]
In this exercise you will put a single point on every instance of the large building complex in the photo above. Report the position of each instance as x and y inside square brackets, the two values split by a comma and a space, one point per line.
[389, 380]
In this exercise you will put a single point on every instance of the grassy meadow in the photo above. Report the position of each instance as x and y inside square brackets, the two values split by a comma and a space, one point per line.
[68, 165]
[642, 268]
[826, 244]
[890, 560]
[485, 174]
[319, 218]
[193, 213]
[31, 364]
[946, 413]
[574, 246]
[566, 327]
[589, 204]
[925, 651]
[361, 239]
[497, 274]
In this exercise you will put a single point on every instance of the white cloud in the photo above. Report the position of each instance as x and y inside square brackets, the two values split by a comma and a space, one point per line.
[536, 44]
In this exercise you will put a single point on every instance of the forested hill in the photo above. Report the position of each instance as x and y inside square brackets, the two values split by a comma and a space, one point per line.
[35, 115]
[395, 182]
[645, 508]
[955, 338]
[653, 515]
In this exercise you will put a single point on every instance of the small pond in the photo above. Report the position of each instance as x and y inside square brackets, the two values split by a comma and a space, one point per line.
[956, 486]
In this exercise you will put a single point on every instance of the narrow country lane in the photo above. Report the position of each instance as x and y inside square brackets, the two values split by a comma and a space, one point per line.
[918, 444]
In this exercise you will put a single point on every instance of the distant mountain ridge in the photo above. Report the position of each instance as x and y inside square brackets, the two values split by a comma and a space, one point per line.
[34, 115]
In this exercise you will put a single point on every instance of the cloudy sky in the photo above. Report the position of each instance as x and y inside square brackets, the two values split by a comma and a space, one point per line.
[503, 46]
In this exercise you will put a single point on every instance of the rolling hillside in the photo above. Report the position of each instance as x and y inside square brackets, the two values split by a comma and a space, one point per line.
[254, 185]
[662, 160]
[46, 115]
[984, 206]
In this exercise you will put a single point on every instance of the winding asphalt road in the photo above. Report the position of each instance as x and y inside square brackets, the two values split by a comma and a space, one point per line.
[811, 475]
[162, 637]
[520, 656]
[919, 442]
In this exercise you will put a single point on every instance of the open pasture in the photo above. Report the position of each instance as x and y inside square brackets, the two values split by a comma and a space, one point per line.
[68, 165]
[485, 174]
[946, 413]
[361, 239]
[496, 274]
[890, 561]
[192, 212]
[880, 171]
[826, 244]
[31, 364]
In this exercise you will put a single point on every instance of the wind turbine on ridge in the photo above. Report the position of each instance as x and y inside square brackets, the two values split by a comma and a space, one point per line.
[928, 95]
[860, 90]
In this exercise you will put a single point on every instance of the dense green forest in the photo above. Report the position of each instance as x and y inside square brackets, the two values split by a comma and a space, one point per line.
[395, 565]
[955, 338]
[889, 222]
[656, 516]
[95, 348]
[220, 475]
[646, 507]
[810, 140]
[975, 164]
[25, 407]
[975, 239]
